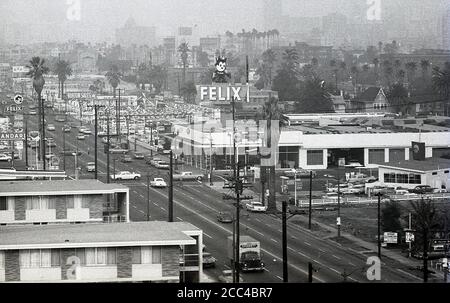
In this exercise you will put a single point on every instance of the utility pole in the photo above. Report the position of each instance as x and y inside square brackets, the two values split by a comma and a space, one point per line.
[339, 205]
[128, 132]
[238, 203]
[310, 272]
[379, 225]
[107, 147]
[26, 143]
[148, 197]
[284, 240]
[210, 160]
[95, 140]
[310, 199]
[171, 187]
[43, 131]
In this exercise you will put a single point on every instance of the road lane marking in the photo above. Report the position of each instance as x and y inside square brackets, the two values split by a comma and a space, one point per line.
[142, 196]
[279, 230]
[207, 235]
[179, 219]
[293, 237]
[279, 278]
[162, 208]
[155, 204]
[274, 240]
[351, 264]
[291, 248]
[307, 243]
[407, 273]
[256, 219]
[179, 203]
[266, 269]
[336, 257]
[334, 270]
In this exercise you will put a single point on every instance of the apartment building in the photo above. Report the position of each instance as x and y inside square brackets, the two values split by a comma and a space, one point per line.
[62, 201]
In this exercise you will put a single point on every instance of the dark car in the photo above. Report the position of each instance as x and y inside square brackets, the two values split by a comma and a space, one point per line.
[208, 260]
[225, 217]
[422, 189]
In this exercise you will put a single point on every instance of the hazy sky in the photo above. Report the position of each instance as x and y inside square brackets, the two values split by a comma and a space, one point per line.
[210, 16]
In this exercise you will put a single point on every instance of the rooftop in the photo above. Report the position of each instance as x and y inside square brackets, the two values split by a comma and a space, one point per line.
[94, 235]
[58, 186]
[429, 164]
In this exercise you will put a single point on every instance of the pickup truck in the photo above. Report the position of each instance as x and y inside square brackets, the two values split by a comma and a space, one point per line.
[158, 182]
[187, 176]
[125, 175]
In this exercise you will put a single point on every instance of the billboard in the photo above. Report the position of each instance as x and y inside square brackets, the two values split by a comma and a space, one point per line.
[20, 69]
[418, 150]
[390, 238]
[221, 93]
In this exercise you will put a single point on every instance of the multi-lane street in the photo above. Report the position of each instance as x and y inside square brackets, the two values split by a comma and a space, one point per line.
[197, 203]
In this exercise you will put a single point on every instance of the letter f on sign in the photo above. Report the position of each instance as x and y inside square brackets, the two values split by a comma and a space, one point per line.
[203, 92]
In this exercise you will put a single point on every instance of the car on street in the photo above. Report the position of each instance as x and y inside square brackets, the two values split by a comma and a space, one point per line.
[32, 112]
[118, 150]
[125, 175]
[255, 206]
[51, 144]
[225, 217]
[90, 167]
[208, 260]
[421, 189]
[162, 165]
[153, 161]
[158, 182]
[296, 210]
[85, 131]
[81, 137]
[126, 159]
[5, 157]
[50, 155]
[51, 127]
[301, 173]
[138, 155]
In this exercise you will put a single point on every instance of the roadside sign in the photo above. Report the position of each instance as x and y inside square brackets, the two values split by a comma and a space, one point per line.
[12, 136]
[409, 237]
[390, 238]
[338, 221]
[19, 144]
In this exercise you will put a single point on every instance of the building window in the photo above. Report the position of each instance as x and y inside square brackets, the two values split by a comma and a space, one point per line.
[2, 259]
[288, 156]
[35, 258]
[396, 155]
[376, 156]
[99, 256]
[147, 255]
[56, 258]
[402, 178]
[434, 173]
[3, 203]
[415, 179]
[389, 178]
[314, 157]
[111, 256]
[40, 203]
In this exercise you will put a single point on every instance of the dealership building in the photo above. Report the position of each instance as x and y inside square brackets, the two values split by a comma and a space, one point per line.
[315, 142]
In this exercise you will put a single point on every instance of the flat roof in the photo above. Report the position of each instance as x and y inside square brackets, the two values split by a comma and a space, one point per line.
[429, 164]
[96, 235]
[55, 187]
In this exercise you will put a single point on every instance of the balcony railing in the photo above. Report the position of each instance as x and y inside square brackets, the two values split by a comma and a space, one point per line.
[114, 219]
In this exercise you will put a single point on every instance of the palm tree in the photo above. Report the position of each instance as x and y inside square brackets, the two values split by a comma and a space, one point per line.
[411, 68]
[290, 57]
[441, 83]
[424, 65]
[376, 63]
[269, 58]
[37, 70]
[188, 91]
[355, 72]
[271, 113]
[113, 77]
[401, 76]
[184, 49]
[63, 70]
[335, 71]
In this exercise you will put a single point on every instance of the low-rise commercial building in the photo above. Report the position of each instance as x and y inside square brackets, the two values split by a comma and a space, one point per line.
[62, 201]
[118, 252]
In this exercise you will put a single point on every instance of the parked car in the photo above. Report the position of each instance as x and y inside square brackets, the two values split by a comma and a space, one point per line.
[125, 175]
[138, 155]
[153, 161]
[126, 159]
[301, 173]
[158, 182]
[162, 165]
[81, 137]
[70, 152]
[208, 260]
[5, 157]
[51, 127]
[421, 189]
[187, 176]
[353, 163]
[51, 144]
[86, 131]
[225, 217]
[90, 166]
[255, 206]
[32, 112]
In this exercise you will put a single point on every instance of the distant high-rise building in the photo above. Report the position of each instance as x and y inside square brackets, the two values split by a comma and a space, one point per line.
[334, 27]
[134, 34]
[272, 14]
[446, 30]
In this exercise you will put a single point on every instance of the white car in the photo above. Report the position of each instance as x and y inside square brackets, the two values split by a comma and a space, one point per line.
[125, 175]
[353, 164]
[158, 182]
[255, 206]
[86, 131]
[81, 137]
[5, 157]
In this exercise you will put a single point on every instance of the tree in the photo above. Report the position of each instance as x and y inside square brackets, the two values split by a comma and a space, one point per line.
[314, 97]
[376, 63]
[202, 59]
[425, 65]
[411, 68]
[158, 77]
[189, 91]
[269, 58]
[355, 73]
[401, 76]
[63, 70]
[333, 64]
[271, 113]
[141, 76]
[99, 86]
[390, 217]
[425, 220]
[184, 50]
[113, 77]
[37, 70]
[286, 79]
[206, 76]
[441, 83]
[398, 98]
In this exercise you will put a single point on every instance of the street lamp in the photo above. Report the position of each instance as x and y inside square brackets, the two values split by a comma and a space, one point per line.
[295, 185]
[76, 163]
